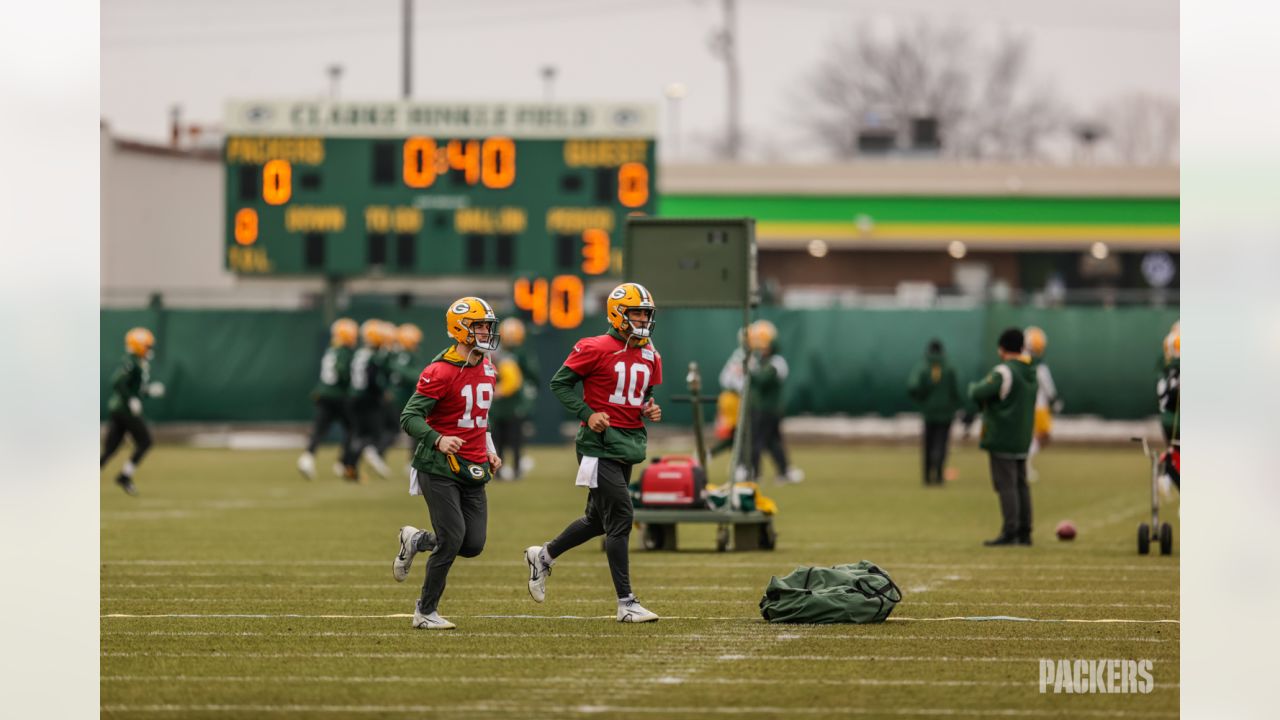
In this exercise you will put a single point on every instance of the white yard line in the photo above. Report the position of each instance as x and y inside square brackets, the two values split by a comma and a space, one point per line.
[588, 679]
[670, 561]
[490, 708]
[589, 601]
[740, 618]
[732, 636]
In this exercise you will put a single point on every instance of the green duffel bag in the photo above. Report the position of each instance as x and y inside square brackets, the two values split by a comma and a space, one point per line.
[858, 593]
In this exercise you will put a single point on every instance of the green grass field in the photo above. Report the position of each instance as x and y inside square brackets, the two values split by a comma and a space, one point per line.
[233, 588]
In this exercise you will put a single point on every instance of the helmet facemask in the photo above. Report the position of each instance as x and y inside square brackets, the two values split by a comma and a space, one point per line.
[491, 342]
[646, 330]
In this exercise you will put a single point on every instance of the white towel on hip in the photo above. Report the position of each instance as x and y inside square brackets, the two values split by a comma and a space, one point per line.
[587, 471]
[414, 487]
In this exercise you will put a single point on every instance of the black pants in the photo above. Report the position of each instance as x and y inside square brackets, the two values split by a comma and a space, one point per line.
[460, 519]
[608, 513]
[391, 430]
[936, 436]
[329, 411]
[120, 424]
[1009, 476]
[366, 428]
[509, 433]
[766, 434]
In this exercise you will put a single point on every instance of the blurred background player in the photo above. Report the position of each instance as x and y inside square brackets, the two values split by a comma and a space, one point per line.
[1048, 403]
[331, 394]
[618, 371]
[128, 386]
[732, 380]
[517, 393]
[448, 416]
[1169, 394]
[1169, 386]
[1007, 398]
[767, 374]
[403, 368]
[368, 394]
[934, 387]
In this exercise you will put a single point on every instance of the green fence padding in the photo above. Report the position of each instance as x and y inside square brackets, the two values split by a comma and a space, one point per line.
[227, 365]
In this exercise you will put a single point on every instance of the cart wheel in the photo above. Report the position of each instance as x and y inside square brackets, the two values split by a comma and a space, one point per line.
[768, 536]
[1166, 539]
[652, 537]
[722, 538]
[1144, 539]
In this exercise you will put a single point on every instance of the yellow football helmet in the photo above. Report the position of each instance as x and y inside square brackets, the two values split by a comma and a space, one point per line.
[344, 332]
[1034, 341]
[761, 334]
[462, 317]
[139, 341]
[1173, 344]
[630, 296]
[409, 335]
[512, 329]
[373, 332]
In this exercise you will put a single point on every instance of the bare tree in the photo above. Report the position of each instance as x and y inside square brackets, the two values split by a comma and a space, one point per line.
[980, 98]
[1141, 129]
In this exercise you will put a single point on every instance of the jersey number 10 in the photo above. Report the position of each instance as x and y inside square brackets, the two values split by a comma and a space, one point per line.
[634, 394]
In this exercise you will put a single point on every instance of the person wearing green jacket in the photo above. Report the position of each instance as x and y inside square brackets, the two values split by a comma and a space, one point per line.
[330, 394]
[933, 386]
[1007, 398]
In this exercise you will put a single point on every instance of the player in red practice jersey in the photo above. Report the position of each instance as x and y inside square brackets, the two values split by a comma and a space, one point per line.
[448, 416]
[618, 371]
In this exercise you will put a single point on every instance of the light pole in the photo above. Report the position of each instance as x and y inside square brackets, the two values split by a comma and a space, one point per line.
[675, 92]
[335, 77]
[548, 82]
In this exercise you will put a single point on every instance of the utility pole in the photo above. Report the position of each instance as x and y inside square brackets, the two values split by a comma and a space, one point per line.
[335, 76]
[548, 83]
[406, 47]
[724, 44]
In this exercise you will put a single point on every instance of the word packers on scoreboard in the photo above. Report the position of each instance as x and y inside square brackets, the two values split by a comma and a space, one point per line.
[534, 192]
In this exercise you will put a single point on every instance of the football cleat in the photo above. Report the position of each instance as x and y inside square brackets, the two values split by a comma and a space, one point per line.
[538, 572]
[408, 548]
[371, 456]
[431, 621]
[307, 466]
[631, 611]
[126, 483]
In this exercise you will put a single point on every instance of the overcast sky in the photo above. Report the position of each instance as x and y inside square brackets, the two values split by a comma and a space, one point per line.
[196, 53]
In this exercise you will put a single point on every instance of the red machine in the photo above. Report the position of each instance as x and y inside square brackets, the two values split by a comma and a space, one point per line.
[674, 481]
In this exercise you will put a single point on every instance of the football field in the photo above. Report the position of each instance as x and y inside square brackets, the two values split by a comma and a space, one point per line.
[231, 587]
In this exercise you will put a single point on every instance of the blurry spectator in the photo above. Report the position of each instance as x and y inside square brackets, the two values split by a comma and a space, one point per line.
[1007, 398]
[933, 386]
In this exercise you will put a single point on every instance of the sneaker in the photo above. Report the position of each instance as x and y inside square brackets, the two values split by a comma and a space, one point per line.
[371, 456]
[307, 466]
[631, 611]
[126, 483]
[431, 621]
[506, 474]
[351, 473]
[1001, 540]
[339, 470]
[525, 466]
[795, 475]
[408, 548]
[538, 572]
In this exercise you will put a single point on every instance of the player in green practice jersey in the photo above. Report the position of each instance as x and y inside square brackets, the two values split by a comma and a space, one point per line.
[403, 368]
[128, 386]
[330, 394]
[368, 398]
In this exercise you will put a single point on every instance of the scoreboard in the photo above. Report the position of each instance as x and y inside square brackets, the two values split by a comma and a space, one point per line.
[534, 192]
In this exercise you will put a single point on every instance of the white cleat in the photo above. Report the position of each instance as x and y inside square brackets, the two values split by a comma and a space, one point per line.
[538, 572]
[795, 475]
[526, 465]
[408, 548]
[430, 622]
[371, 456]
[307, 465]
[339, 470]
[631, 611]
